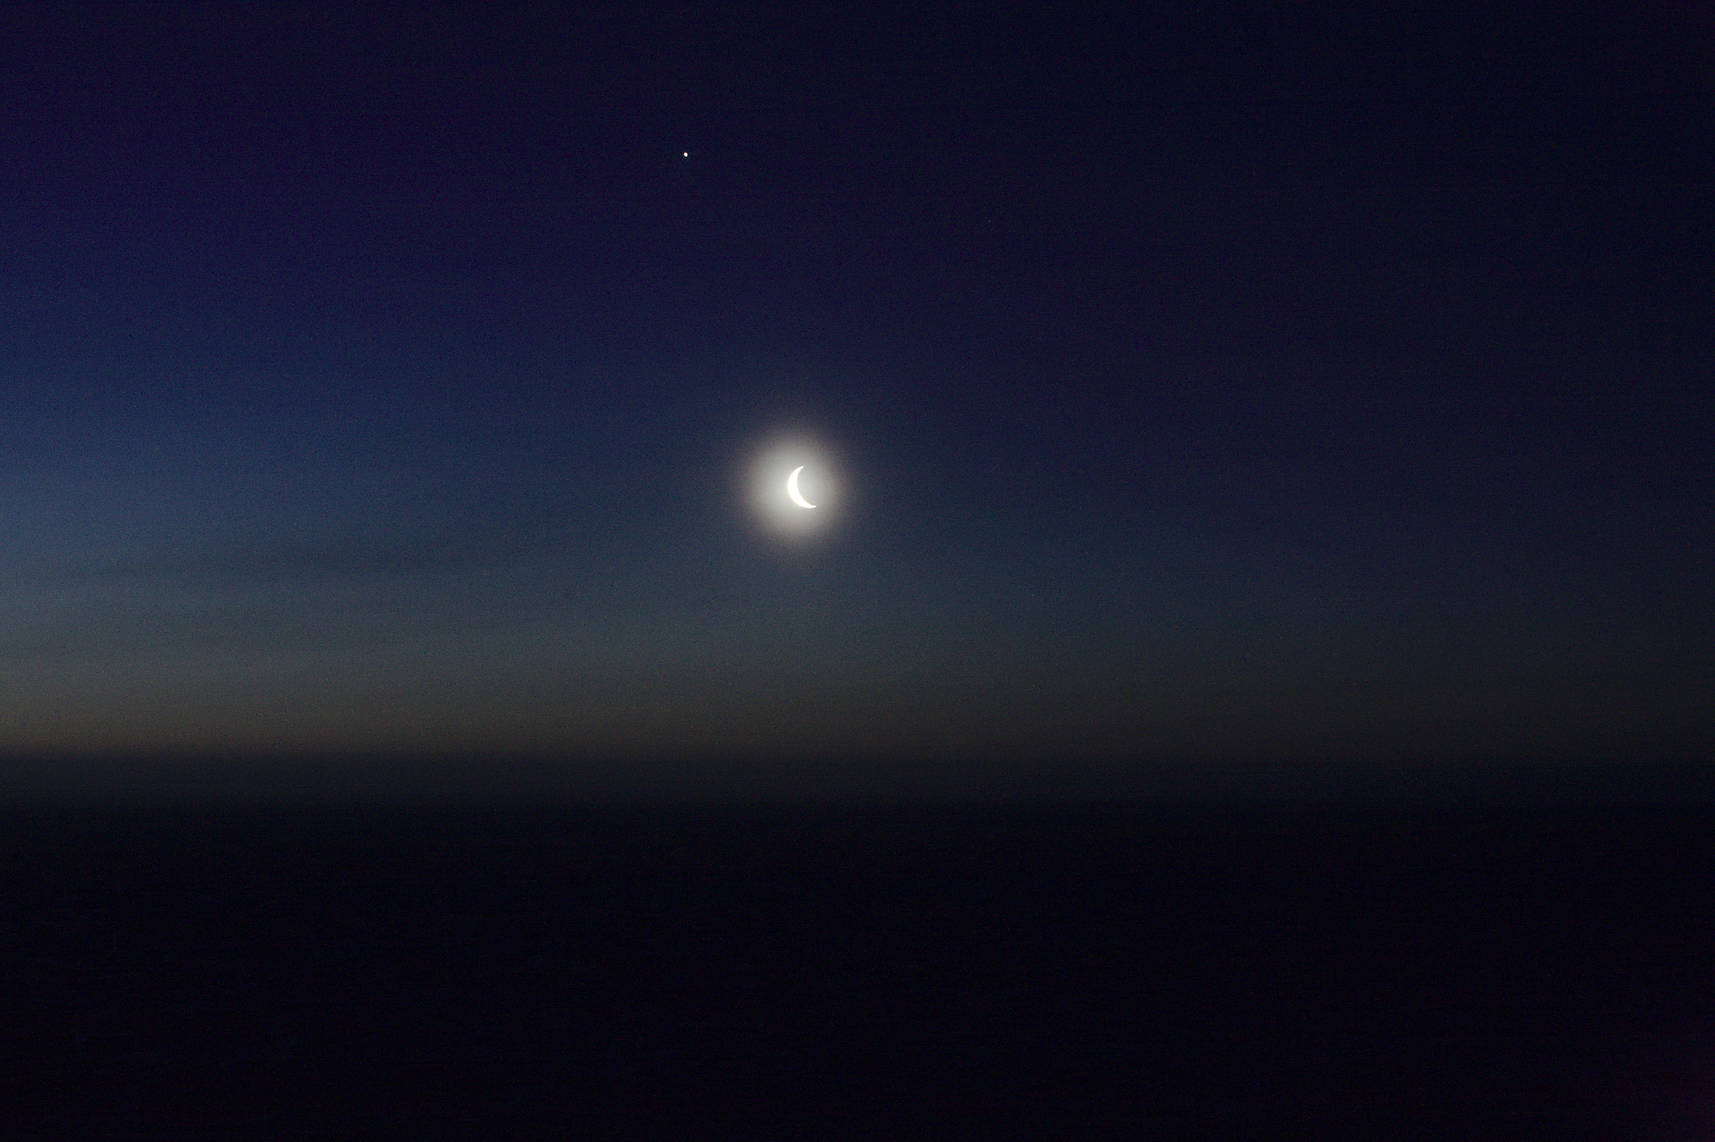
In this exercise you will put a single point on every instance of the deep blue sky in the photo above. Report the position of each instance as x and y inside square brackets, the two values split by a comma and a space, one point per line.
[1272, 382]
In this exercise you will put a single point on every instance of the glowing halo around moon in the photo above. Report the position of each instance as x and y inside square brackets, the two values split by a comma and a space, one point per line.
[794, 488]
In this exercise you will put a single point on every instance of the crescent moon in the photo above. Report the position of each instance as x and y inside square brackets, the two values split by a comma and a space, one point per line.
[792, 489]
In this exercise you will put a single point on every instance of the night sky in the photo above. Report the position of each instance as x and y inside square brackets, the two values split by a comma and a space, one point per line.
[388, 393]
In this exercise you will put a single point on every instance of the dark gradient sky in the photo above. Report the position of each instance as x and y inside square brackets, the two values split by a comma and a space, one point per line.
[1292, 382]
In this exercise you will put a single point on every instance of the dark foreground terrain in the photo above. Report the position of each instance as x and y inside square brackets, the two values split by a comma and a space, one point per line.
[1397, 972]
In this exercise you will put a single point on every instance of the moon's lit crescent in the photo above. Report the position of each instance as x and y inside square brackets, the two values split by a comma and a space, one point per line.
[792, 489]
